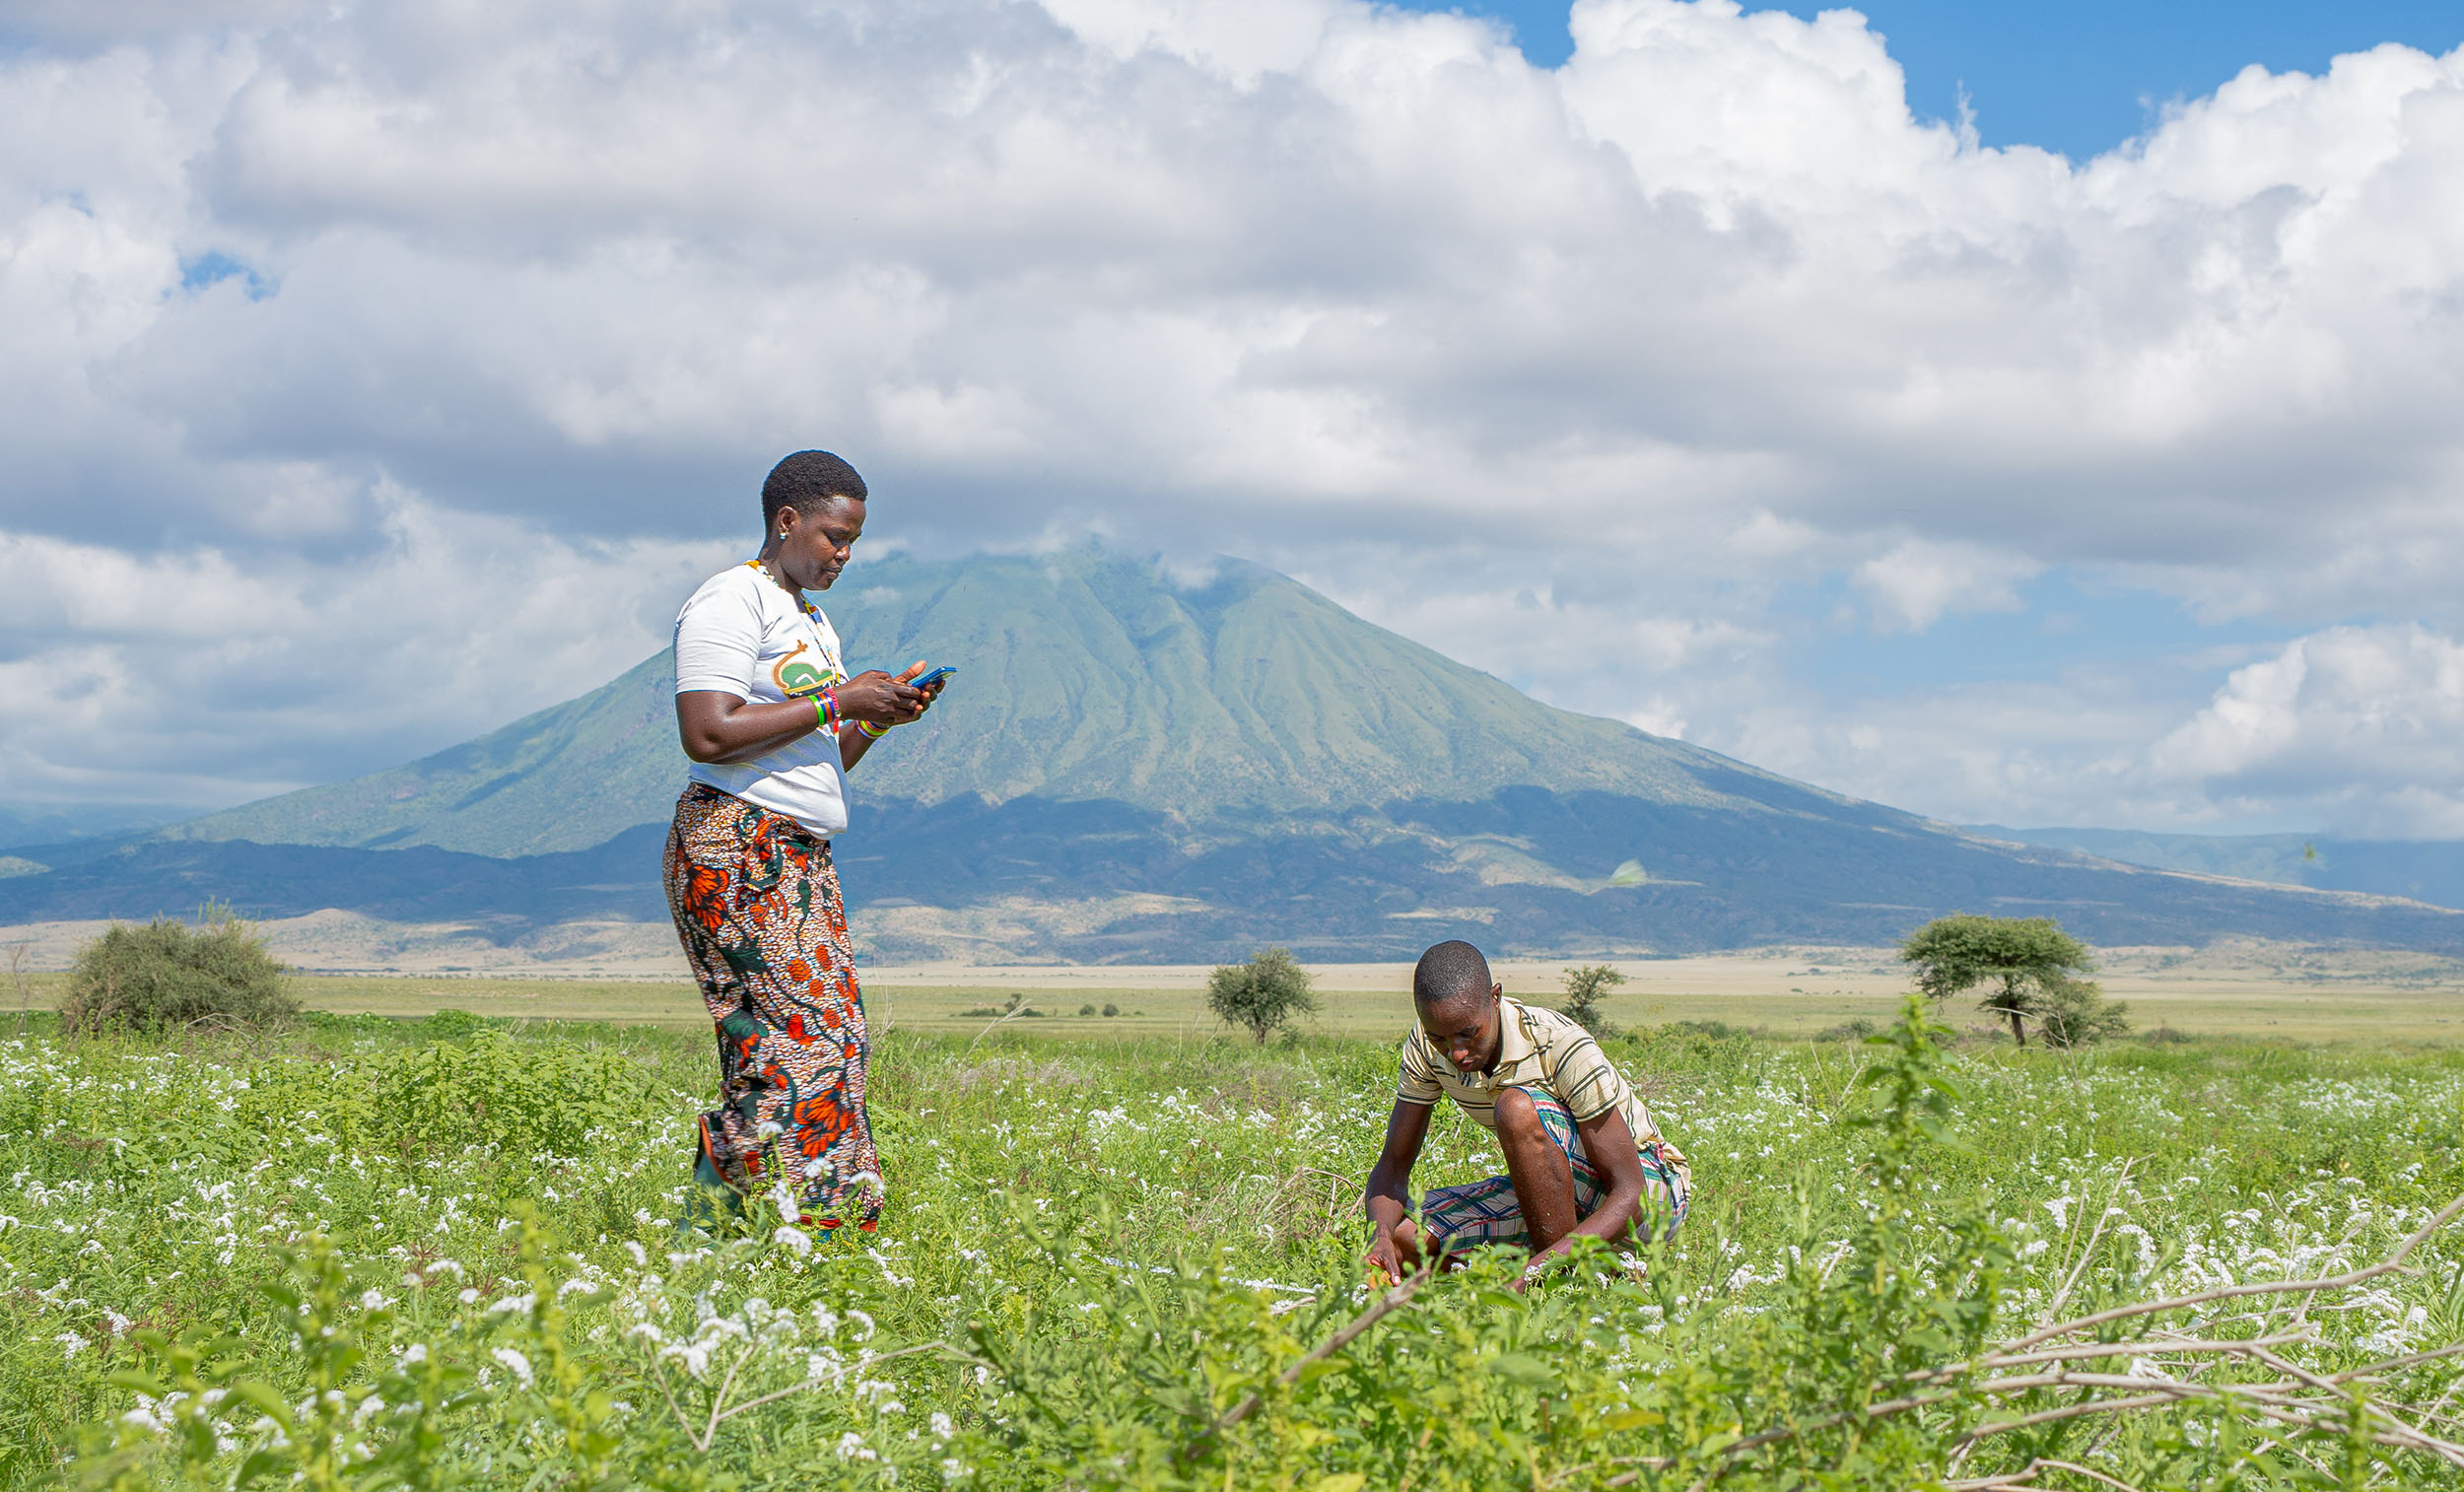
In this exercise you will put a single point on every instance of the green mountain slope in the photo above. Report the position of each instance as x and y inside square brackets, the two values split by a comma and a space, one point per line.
[1081, 676]
[1132, 769]
[571, 775]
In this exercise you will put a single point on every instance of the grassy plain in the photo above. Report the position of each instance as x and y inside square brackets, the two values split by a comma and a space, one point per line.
[2255, 991]
[1096, 1251]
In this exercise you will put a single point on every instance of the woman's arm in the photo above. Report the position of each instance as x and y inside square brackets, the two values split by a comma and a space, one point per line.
[716, 726]
[1387, 1195]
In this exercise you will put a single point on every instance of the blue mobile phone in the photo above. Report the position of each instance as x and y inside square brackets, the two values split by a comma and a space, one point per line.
[932, 678]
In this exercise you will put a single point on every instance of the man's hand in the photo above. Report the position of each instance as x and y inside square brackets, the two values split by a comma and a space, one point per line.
[1386, 1265]
[1386, 1198]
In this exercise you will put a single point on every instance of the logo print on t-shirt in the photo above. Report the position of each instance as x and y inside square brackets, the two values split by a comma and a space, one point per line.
[798, 677]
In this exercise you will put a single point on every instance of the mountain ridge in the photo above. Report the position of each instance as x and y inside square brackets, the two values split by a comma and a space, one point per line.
[1132, 768]
[1220, 700]
[2420, 870]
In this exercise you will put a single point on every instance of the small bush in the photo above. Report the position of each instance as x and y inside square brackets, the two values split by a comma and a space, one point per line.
[1111, 1009]
[166, 974]
[517, 1098]
[451, 1026]
[1086, 1009]
[1587, 990]
[1261, 995]
[2076, 1013]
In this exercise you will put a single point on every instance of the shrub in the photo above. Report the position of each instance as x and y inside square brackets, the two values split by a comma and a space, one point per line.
[1586, 989]
[451, 1026]
[168, 975]
[2074, 1012]
[517, 1098]
[1111, 1009]
[1261, 994]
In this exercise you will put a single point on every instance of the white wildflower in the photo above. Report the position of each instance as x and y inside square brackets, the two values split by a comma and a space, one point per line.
[515, 1363]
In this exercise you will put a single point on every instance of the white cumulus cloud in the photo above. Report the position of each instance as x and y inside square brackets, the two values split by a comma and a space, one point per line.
[2364, 724]
[1589, 375]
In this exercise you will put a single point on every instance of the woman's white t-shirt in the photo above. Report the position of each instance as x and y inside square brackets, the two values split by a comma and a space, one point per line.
[741, 634]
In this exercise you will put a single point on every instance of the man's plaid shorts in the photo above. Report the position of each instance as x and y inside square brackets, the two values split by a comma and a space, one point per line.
[1487, 1211]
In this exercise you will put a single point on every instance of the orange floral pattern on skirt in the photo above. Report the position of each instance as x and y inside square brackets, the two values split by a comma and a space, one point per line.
[756, 902]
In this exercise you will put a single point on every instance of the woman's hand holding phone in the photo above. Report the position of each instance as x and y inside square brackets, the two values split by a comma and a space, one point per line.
[873, 698]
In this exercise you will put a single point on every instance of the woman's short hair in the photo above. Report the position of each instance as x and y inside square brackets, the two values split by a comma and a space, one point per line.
[808, 481]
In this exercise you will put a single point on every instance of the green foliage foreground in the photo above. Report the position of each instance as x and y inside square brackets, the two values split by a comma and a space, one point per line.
[438, 1256]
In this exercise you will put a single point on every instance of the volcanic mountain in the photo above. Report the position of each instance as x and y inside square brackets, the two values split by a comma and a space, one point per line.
[1133, 765]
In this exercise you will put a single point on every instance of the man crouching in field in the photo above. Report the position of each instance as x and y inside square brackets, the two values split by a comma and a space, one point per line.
[1581, 1154]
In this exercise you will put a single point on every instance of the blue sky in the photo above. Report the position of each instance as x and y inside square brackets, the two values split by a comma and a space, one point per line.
[2081, 77]
[379, 373]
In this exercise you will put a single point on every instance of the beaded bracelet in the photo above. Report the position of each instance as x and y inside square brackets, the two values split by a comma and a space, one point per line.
[826, 711]
[871, 731]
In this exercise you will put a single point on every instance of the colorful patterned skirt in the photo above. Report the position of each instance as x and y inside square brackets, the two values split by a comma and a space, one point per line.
[756, 902]
[1487, 1211]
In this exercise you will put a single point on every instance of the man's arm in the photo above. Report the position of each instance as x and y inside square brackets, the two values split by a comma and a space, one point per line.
[1611, 1146]
[1387, 1195]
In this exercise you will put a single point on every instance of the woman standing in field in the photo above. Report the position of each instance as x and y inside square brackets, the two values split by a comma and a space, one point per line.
[772, 722]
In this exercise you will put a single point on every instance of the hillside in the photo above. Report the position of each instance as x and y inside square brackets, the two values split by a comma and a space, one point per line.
[2423, 870]
[1132, 769]
[1082, 677]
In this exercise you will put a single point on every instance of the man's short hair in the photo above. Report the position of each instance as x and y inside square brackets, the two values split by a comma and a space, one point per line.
[808, 481]
[1446, 973]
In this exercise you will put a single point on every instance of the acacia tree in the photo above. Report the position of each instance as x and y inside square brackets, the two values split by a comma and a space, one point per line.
[2031, 967]
[1260, 994]
[1586, 987]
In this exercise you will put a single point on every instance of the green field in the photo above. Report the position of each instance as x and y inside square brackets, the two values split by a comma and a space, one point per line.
[2261, 992]
[1097, 1249]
